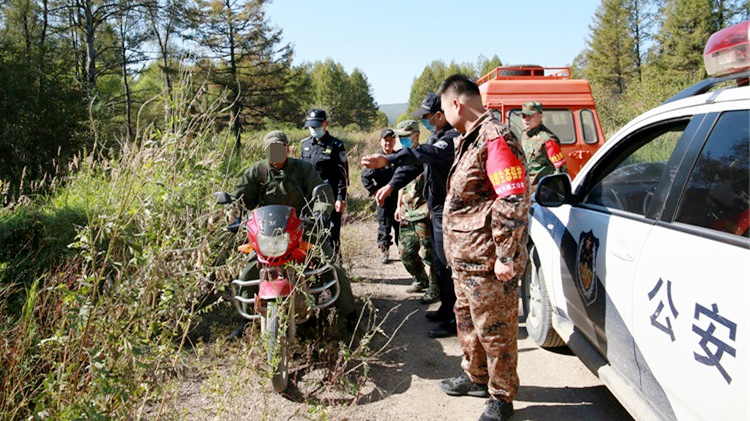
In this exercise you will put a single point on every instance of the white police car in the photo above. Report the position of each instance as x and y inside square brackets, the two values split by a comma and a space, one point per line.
[642, 265]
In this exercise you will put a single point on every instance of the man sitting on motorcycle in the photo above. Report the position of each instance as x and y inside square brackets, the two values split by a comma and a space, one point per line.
[282, 180]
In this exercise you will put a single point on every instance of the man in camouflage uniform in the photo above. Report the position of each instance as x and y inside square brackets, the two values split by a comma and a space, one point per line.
[486, 221]
[415, 233]
[540, 145]
[282, 180]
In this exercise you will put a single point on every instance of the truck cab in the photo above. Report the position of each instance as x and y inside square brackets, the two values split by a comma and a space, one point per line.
[569, 108]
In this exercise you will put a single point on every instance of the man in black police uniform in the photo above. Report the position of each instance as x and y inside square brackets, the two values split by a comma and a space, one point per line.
[436, 157]
[373, 180]
[328, 155]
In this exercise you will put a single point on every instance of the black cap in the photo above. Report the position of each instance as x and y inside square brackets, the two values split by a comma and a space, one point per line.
[386, 132]
[430, 105]
[315, 118]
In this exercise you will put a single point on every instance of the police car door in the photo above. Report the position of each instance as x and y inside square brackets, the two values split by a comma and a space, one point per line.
[609, 226]
[692, 281]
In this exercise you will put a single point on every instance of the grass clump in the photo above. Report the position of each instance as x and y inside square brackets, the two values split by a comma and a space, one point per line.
[104, 278]
[108, 277]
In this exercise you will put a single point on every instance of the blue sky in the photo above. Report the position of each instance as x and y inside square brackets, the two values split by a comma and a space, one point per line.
[392, 41]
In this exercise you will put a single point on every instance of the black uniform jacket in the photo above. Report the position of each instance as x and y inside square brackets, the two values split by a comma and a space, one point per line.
[373, 179]
[328, 155]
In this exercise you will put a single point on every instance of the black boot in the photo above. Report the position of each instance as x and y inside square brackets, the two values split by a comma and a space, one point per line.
[497, 410]
[443, 330]
[463, 386]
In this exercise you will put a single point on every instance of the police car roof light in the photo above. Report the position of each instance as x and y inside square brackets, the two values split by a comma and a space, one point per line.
[728, 50]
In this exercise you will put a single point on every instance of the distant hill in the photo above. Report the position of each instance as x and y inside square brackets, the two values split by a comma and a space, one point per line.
[393, 111]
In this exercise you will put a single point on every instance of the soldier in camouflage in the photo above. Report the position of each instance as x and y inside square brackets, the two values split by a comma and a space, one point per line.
[485, 221]
[415, 237]
[540, 145]
[415, 233]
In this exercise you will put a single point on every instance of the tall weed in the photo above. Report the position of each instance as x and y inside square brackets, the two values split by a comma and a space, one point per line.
[92, 335]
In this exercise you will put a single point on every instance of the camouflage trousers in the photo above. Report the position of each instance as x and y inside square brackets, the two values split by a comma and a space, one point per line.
[487, 323]
[415, 246]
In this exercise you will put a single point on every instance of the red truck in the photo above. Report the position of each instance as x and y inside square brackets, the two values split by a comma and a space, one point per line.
[569, 108]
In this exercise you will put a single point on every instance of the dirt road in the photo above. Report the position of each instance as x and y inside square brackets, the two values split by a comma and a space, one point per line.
[554, 385]
[403, 382]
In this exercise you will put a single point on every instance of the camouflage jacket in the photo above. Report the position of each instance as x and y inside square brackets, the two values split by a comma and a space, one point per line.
[413, 203]
[538, 164]
[480, 227]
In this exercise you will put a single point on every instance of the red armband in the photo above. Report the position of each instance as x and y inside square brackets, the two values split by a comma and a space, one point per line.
[554, 153]
[505, 171]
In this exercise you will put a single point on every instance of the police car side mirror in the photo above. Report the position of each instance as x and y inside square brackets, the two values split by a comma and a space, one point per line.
[553, 190]
[222, 198]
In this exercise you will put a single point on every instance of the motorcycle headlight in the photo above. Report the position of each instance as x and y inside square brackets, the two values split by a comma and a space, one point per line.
[273, 245]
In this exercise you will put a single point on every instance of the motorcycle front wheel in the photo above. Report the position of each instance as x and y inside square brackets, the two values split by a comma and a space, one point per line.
[277, 346]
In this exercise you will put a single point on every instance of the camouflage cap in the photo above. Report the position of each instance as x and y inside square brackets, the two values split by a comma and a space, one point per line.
[276, 136]
[407, 127]
[531, 107]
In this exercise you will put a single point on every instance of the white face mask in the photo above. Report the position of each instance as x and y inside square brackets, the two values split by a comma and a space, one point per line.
[318, 132]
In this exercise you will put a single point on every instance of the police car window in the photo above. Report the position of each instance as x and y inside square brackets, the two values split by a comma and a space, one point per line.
[590, 136]
[560, 122]
[717, 192]
[631, 176]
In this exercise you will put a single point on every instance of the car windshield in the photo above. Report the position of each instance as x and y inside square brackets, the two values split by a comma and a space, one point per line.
[560, 122]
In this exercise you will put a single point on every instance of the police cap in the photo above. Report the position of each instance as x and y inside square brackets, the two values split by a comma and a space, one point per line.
[385, 133]
[315, 118]
[430, 105]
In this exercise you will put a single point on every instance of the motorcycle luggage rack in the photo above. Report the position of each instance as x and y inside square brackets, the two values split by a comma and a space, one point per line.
[334, 283]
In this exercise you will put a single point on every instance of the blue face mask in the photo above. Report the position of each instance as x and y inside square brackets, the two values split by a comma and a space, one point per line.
[405, 141]
[427, 125]
[318, 132]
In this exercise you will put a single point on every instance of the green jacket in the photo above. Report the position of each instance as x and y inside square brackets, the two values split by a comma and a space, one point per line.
[292, 185]
[538, 163]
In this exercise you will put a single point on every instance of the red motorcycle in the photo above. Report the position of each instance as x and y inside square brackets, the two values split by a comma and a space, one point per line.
[296, 278]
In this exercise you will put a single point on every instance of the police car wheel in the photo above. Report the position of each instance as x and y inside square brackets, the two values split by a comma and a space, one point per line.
[539, 314]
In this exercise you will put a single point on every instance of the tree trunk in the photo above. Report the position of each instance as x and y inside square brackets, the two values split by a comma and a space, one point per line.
[89, 29]
[237, 107]
[125, 83]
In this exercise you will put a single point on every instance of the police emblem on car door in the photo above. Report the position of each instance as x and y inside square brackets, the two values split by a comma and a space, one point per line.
[588, 246]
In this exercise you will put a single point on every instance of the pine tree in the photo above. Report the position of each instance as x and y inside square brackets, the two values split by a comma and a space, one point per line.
[610, 55]
[245, 57]
[485, 65]
[434, 73]
[641, 22]
[330, 91]
[362, 105]
[686, 26]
